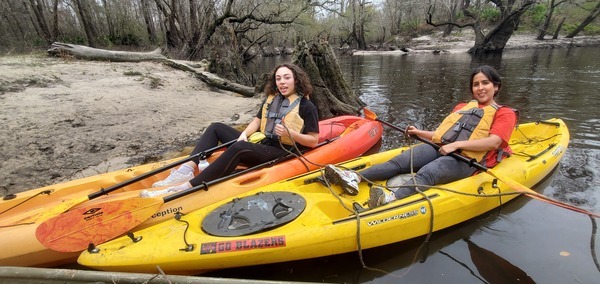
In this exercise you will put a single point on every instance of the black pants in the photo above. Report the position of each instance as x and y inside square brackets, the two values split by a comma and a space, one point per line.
[249, 154]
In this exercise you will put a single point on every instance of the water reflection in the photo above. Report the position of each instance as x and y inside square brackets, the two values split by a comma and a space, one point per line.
[494, 268]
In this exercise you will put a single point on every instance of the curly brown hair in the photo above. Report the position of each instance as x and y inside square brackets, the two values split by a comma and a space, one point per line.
[303, 85]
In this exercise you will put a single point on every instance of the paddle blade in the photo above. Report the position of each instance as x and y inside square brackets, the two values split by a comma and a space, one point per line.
[74, 230]
[369, 114]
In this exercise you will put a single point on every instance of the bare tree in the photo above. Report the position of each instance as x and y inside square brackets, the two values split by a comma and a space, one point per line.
[558, 27]
[590, 18]
[224, 49]
[498, 35]
[12, 24]
[392, 10]
[39, 20]
[358, 22]
[452, 7]
[547, 19]
[85, 16]
[149, 22]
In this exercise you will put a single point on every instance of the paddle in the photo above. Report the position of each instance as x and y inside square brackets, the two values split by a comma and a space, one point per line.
[506, 180]
[74, 230]
[66, 205]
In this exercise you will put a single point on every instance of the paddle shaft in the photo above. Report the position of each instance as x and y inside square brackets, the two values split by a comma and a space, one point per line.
[239, 173]
[471, 162]
[156, 171]
[510, 182]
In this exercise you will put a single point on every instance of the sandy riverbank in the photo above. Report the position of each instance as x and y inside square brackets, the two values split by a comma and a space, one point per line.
[64, 119]
[462, 43]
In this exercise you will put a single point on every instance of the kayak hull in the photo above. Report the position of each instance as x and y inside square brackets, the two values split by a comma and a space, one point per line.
[328, 224]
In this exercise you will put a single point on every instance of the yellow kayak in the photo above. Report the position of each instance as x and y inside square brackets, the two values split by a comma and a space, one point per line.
[302, 218]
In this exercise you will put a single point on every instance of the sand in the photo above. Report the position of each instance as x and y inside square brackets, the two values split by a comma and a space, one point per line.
[65, 119]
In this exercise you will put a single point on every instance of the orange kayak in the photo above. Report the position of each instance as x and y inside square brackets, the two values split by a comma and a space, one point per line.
[342, 138]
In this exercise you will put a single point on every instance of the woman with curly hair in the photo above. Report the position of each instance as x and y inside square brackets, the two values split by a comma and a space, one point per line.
[287, 118]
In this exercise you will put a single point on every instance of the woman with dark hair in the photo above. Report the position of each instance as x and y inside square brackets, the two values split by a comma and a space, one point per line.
[287, 118]
[479, 130]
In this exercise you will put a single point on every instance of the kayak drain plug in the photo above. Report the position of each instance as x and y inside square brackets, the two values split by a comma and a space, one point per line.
[134, 238]
[92, 248]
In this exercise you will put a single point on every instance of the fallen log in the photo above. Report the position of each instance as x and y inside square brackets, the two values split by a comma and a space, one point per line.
[89, 53]
[211, 78]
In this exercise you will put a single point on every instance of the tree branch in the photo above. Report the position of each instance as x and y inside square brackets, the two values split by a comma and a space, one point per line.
[430, 21]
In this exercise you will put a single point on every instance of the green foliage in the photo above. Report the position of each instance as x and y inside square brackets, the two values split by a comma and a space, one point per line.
[590, 30]
[490, 15]
[128, 39]
[536, 14]
[460, 16]
[38, 42]
[73, 39]
[105, 41]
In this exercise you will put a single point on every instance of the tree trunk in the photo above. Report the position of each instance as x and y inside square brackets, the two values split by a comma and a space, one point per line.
[55, 28]
[453, 8]
[223, 51]
[89, 53]
[547, 18]
[558, 28]
[496, 39]
[358, 24]
[150, 29]
[86, 22]
[590, 18]
[12, 20]
[173, 33]
[212, 79]
[332, 95]
[40, 17]
[84, 52]
[109, 21]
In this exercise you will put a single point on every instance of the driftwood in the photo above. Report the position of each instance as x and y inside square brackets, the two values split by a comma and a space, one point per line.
[88, 53]
[211, 78]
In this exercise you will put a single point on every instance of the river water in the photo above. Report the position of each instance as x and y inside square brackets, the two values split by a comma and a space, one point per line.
[526, 240]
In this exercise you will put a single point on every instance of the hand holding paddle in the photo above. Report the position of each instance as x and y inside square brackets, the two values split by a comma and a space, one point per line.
[506, 180]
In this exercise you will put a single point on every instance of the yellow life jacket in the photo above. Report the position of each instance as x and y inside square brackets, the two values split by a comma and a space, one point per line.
[468, 123]
[272, 114]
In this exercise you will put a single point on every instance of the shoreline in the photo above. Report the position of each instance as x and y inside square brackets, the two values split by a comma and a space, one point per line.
[461, 44]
